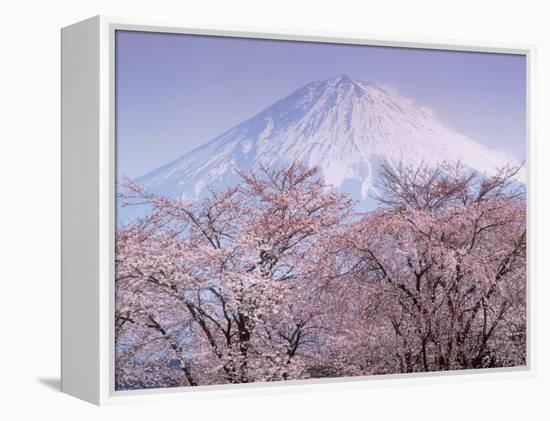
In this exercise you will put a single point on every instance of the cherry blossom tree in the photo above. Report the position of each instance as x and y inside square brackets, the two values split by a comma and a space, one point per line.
[444, 267]
[278, 278]
[227, 286]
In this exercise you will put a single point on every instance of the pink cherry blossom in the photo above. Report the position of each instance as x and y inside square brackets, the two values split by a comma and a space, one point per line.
[278, 278]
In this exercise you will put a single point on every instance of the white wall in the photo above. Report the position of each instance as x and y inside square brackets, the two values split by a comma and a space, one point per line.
[29, 230]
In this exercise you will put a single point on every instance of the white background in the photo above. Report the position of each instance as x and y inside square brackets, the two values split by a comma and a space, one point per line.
[29, 220]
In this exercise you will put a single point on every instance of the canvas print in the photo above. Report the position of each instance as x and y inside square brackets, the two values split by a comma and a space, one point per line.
[300, 210]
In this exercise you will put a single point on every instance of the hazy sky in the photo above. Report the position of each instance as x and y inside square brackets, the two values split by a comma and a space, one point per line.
[175, 92]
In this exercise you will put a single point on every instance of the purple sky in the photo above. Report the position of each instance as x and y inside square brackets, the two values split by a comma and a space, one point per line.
[175, 92]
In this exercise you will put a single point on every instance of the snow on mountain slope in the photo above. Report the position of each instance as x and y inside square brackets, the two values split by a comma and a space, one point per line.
[347, 128]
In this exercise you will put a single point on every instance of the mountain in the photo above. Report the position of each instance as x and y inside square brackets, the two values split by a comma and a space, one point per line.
[346, 127]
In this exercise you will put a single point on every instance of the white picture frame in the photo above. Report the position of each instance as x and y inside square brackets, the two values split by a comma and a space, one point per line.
[88, 209]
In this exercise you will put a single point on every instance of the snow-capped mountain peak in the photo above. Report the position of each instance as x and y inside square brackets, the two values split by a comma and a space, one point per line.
[346, 127]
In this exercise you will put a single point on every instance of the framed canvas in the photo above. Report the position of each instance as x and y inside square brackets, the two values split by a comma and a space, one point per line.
[244, 210]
